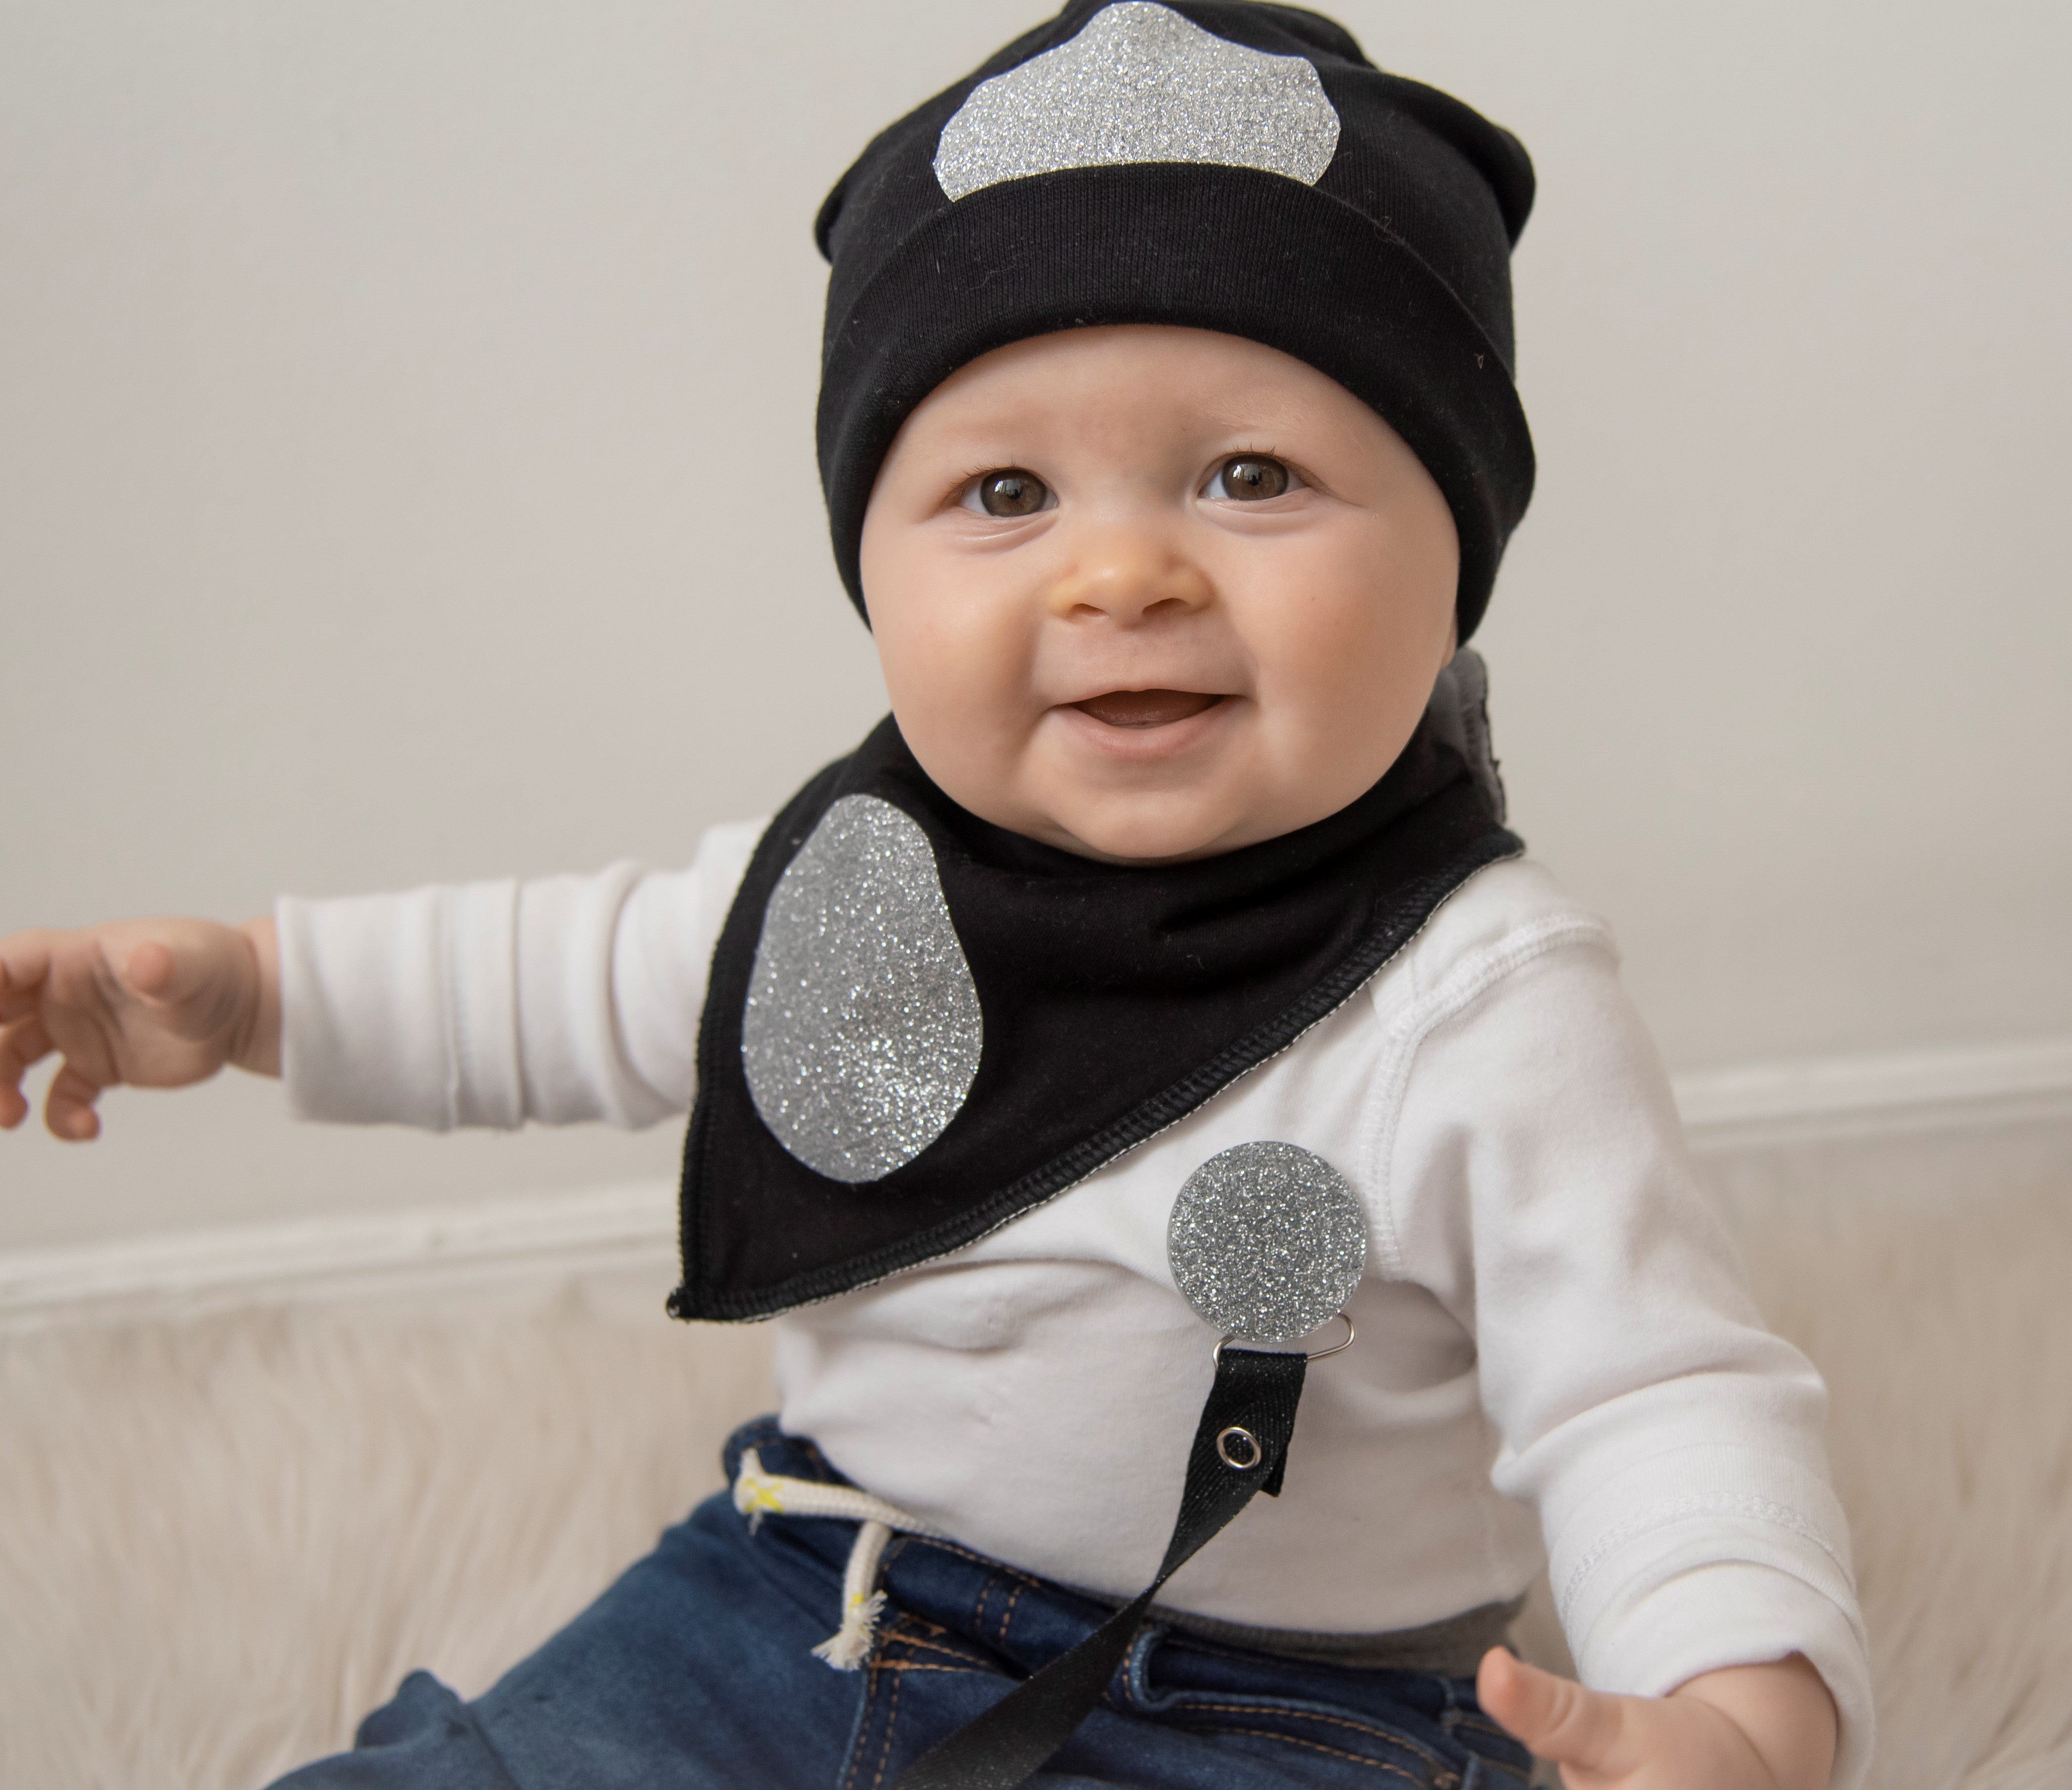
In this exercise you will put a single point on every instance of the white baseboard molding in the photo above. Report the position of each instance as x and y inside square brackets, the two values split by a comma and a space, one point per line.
[1769, 1103]
[634, 1226]
[357, 1255]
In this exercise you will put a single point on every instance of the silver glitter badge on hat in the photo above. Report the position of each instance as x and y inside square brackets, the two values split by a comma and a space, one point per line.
[1140, 84]
[862, 1033]
[1267, 1241]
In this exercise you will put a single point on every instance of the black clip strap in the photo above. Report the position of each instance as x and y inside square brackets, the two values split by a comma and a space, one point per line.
[1240, 1447]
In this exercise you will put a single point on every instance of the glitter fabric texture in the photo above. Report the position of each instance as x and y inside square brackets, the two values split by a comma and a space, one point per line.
[862, 1033]
[1267, 1241]
[1140, 84]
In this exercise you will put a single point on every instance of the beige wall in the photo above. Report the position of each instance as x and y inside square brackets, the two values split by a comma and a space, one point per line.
[405, 473]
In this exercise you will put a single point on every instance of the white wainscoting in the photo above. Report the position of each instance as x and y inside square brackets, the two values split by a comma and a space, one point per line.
[1764, 1104]
[634, 1226]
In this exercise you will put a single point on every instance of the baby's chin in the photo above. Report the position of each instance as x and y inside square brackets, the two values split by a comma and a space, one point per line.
[1147, 827]
[1091, 817]
[1174, 814]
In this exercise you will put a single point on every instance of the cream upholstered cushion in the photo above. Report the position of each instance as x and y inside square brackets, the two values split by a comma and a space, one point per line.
[223, 1537]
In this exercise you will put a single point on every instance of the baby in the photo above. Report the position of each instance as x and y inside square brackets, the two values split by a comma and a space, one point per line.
[1156, 986]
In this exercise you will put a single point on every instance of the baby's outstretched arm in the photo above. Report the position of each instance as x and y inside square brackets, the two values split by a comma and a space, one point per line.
[1760, 1727]
[157, 1003]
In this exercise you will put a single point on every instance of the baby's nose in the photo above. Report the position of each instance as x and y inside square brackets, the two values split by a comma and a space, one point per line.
[1128, 580]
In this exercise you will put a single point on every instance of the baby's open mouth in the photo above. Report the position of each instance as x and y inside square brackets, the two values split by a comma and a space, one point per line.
[1146, 708]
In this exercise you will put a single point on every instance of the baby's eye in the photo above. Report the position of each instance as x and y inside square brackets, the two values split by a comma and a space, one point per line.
[1012, 492]
[1250, 479]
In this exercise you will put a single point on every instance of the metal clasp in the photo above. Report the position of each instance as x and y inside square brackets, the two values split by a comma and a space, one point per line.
[1336, 1348]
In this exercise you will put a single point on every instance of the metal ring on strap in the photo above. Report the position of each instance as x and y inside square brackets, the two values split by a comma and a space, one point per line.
[1237, 1440]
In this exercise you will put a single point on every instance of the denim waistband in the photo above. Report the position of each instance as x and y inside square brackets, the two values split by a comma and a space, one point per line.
[1452, 1648]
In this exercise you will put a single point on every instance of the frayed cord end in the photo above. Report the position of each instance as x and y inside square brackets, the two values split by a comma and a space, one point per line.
[848, 1648]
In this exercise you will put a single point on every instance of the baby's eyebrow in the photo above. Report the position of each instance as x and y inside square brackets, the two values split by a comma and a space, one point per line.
[978, 436]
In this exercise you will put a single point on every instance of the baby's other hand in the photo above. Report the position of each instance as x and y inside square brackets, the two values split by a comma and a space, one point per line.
[157, 1003]
[1758, 1727]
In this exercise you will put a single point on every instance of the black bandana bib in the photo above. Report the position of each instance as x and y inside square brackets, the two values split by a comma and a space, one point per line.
[919, 1026]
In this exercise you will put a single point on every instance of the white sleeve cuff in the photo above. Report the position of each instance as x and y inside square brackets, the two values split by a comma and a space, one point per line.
[1716, 1615]
[1715, 1557]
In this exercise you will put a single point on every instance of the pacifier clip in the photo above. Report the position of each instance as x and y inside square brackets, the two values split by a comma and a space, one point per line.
[1240, 1448]
[1267, 1241]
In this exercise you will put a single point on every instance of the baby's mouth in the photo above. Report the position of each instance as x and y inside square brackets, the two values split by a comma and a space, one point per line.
[1146, 708]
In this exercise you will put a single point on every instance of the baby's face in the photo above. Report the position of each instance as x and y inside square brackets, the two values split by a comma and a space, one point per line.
[1150, 594]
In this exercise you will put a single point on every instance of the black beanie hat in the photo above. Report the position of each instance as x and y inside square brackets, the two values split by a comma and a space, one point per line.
[1223, 164]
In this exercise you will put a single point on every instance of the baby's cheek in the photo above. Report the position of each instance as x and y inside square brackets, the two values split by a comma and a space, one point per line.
[1347, 687]
[960, 691]
[1323, 650]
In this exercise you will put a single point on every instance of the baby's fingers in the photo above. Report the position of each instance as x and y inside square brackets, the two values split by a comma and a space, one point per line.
[68, 1108]
[25, 962]
[21, 1044]
[197, 978]
[153, 971]
[1560, 1720]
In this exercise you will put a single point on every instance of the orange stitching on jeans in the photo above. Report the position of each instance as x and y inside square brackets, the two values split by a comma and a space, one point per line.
[855, 1764]
[856, 1760]
[975, 1620]
[918, 1665]
[935, 1647]
[891, 1712]
[1007, 1615]
[1390, 1735]
[966, 1554]
[904, 1618]
[1336, 1752]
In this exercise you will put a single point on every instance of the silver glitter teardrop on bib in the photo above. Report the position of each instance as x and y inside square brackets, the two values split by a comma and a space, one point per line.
[1140, 83]
[862, 1033]
[1267, 1241]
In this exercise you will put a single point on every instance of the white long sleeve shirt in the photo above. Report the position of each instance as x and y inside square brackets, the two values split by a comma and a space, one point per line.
[1552, 1322]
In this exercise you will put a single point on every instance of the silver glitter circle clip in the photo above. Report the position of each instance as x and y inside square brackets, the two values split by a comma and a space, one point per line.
[1267, 1241]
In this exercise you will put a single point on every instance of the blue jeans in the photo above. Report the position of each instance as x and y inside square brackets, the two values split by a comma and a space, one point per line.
[694, 1672]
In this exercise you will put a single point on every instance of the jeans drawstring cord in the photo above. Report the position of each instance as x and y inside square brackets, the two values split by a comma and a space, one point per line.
[758, 1494]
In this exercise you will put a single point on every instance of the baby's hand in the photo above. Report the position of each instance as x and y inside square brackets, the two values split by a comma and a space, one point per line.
[157, 1003]
[1758, 1727]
